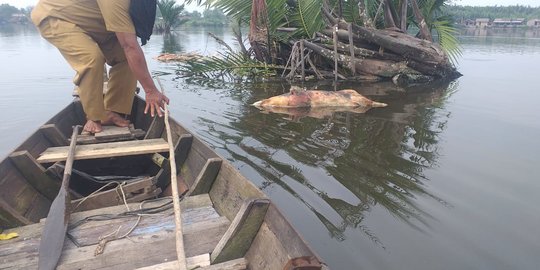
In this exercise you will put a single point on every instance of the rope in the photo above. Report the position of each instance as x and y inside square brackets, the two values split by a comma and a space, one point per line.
[103, 240]
[141, 212]
[93, 194]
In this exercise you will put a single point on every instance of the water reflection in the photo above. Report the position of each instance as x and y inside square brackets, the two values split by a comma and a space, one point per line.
[378, 157]
[171, 43]
[7, 30]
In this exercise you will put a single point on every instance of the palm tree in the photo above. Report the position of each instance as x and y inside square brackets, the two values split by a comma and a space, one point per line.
[349, 38]
[170, 15]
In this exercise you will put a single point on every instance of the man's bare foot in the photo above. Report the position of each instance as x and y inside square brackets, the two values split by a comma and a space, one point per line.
[92, 127]
[115, 119]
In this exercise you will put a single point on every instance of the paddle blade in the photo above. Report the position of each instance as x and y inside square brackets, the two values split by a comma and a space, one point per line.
[54, 231]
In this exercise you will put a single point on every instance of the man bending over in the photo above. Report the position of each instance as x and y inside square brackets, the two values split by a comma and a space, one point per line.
[90, 33]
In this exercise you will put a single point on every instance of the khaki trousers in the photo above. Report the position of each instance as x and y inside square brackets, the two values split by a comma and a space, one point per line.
[87, 54]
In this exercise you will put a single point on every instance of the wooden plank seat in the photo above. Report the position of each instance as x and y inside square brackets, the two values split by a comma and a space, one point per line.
[112, 134]
[103, 150]
[151, 242]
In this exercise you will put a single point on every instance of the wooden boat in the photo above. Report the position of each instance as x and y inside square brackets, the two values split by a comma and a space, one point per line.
[228, 222]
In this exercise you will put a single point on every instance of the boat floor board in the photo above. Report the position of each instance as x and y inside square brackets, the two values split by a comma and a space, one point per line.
[34, 230]
[103, 150]
[152, 242]
[236, 264]
[195, 262]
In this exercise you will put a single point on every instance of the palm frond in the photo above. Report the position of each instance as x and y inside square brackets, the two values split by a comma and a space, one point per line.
[277, 16]
[237, 9]
[447, 33]
[170, 13]
[232, 65]
[307, 16]
[350, 11]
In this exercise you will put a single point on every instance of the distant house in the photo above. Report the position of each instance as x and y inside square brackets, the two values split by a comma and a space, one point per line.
[508, 22]
[18, 18]
[481, 22]
[469, 22]
[533, 22]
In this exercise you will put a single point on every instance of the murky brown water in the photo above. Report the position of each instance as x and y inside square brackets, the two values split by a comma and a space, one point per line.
[446, 177]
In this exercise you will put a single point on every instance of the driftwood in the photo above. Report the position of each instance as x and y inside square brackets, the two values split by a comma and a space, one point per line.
[367, 52]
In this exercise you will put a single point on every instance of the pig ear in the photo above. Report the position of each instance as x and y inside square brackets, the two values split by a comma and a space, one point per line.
[360, 109]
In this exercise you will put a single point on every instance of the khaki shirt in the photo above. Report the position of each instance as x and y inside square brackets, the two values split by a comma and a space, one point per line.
[90, 15]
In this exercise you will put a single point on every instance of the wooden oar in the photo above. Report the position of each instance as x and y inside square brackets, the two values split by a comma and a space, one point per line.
[54, 231]
[174, 186]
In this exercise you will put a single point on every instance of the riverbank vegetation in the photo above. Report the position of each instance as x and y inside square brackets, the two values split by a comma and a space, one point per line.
[407, 41]
[209, 17]
[11, 14]
[168, 16]
[492, 12]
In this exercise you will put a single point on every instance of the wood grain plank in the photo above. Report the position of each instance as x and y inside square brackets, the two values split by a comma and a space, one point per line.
[113, 197]
[266, 251]
[204, 181]
[237, 264]
[106, 150]
[182, 151]
[54, 135]
[195, 262]
[286, 233]
[187, 203]
[139, 251]
[156, 247]
[35, 174]
[90, 232]
[156, 128]
[10, 217]
[113, 132]
[237, 240]
[230, 190]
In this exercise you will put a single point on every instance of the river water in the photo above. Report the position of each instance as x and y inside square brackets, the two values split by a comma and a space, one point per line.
[446, 177]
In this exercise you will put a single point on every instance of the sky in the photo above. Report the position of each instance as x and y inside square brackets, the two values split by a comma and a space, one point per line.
[533, 3]
[26, 3]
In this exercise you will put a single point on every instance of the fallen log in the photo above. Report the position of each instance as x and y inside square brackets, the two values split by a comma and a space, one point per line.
[381, 68]
[343, 36]
[400, 43]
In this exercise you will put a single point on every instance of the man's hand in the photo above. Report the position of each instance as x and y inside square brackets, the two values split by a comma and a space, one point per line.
[155, 101]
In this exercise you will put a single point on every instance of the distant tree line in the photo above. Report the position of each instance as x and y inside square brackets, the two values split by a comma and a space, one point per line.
[209, 17]
[492, 12]
[171, 15]
[7, 13]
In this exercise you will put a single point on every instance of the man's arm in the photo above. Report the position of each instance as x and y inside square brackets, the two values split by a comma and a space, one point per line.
[137, 64]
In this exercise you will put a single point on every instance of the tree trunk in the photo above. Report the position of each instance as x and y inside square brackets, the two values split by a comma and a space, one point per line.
[424, 30]
[407, 46]
[388, 18]
[403, 22]
[344, 37]
[364, 15]
[258, 31]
